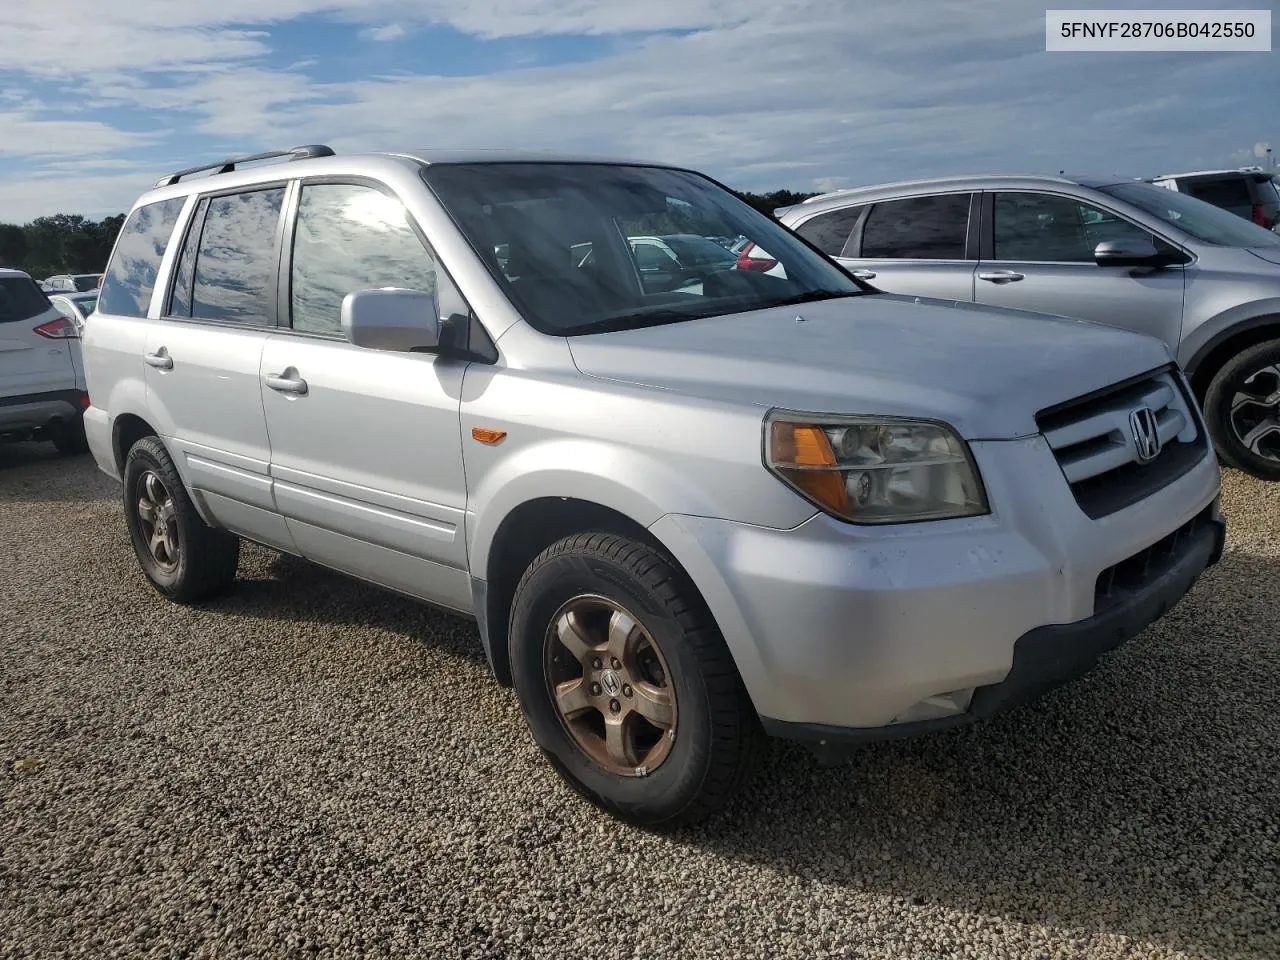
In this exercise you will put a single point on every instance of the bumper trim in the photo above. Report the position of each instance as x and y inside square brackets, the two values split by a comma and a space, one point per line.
[1043, 658]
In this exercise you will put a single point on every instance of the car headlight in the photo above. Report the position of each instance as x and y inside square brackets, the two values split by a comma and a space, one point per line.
[875, 469]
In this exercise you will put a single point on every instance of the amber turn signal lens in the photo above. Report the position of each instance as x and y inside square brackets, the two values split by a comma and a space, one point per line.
[488, 435]
[800, 445]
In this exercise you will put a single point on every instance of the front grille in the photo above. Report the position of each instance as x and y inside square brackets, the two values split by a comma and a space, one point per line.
[1094, 440]
[1117, 583]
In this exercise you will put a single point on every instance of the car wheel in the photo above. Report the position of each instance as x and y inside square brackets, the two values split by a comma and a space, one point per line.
[185, 559]
[70, 439]
[626, 683]
[1242, 407]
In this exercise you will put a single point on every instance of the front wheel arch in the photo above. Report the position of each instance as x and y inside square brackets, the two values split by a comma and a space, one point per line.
[523, 534]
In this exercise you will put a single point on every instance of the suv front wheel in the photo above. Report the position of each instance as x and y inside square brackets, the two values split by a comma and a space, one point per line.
[626, 683]
[1242, 406]
[185, 559]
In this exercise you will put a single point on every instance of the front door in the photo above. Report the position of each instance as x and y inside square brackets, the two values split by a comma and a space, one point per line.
[1041, 258]
[916, 246]
[366, 450]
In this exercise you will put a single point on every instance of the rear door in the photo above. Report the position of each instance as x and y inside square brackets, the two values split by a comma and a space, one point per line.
[31, 362]
[204, 357]
[920, 246]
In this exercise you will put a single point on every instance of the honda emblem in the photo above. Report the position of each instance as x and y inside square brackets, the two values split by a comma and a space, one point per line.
[1146, 434]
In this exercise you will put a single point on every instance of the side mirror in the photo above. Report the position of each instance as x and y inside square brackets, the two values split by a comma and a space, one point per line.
[1128, 253]
[391, 319]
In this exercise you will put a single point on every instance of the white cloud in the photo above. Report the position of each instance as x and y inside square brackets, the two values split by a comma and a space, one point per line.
[23, 135]
[391, 31]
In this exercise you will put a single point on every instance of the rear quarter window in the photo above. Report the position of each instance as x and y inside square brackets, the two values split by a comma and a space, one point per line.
[21, 299]
[131, 275]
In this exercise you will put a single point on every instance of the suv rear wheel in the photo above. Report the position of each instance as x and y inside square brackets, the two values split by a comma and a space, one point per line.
[1242, 406]
[185, 559]
[626, 683]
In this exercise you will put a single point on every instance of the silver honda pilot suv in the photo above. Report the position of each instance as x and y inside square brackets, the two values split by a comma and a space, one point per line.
[685, 508]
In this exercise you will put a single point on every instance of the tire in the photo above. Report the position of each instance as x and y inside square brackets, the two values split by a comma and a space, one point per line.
[70, 439]
[602, 580]
[1247, 373]
[191, 560]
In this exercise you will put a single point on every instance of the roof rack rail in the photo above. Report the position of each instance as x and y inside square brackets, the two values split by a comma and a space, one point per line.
[226, 166]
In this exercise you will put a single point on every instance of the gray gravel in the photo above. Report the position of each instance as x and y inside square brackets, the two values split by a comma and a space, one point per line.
[311, 767]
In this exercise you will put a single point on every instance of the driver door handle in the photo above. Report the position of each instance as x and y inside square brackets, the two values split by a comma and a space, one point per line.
[282, 384]
[160, 359]
[864, 274]
[1000, 276]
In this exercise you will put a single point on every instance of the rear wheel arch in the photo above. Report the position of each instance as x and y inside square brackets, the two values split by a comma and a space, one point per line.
[524, 533]
[127, 430]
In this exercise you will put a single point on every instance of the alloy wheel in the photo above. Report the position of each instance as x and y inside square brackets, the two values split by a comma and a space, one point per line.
[610, 685]
[158, 518]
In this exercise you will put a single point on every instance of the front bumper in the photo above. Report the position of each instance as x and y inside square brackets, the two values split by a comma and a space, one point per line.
[1047, 656]
[881, 629]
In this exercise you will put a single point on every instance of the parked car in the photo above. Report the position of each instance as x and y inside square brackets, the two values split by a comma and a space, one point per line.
[778, 502]
[72, 283]
[672, 261]
[753, 258]
[1119, 252]
[42, 390]
[76, 306]
[1248, 193]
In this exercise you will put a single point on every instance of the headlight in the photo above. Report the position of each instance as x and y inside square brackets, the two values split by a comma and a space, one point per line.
[875, 469]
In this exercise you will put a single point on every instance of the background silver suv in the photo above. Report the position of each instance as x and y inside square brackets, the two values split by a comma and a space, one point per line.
[678, 515]
[1119, 252]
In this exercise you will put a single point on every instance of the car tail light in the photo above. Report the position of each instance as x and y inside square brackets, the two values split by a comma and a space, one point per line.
[1259, 215]
[84, 401]
[758, 264]
[60, 328]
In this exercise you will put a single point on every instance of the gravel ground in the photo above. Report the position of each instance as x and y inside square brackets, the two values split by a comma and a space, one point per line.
[312, 767]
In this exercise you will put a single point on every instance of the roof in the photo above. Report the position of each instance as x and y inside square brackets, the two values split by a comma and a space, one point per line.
[839, 198]
[11, 272]
[429, 156]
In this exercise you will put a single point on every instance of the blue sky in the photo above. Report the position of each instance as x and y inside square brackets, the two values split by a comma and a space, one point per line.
[806, 94]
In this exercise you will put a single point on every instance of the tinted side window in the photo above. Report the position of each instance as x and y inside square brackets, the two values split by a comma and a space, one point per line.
[829, 232]
[180, 299]
[650, 256]
[1045, 228]
[918, 228]
[1228, 192]
[20, 299]
[350, 238]
[126, 289]
[235, 264]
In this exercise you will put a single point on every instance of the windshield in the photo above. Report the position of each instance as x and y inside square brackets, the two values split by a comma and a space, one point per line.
[1195, 217]
[559, 239]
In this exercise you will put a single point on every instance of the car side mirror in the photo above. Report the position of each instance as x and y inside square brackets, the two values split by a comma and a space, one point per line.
[1128, 253]
[395, 319]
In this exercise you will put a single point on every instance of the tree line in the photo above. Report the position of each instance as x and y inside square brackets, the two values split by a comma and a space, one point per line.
[70, 243]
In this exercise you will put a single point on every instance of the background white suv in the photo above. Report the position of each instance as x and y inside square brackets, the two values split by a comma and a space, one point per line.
[42, 391]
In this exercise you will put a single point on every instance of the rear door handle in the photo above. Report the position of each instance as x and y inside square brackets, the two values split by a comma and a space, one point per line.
[160, 359]
[284, 384]
[1000, 276]
[864, 274]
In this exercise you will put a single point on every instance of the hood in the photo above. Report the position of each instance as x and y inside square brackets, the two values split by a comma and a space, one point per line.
[1269, 254]
[984, 370]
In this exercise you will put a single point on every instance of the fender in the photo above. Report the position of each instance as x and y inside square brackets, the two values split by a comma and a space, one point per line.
[563, 467]
[1215, 331]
